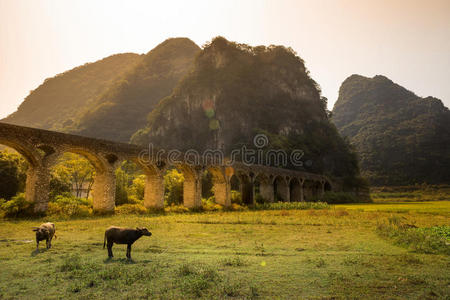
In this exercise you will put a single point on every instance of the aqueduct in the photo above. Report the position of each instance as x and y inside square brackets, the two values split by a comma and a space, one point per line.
[42, 149]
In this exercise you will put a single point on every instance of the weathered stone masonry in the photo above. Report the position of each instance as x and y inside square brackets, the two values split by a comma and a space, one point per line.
[42, 148]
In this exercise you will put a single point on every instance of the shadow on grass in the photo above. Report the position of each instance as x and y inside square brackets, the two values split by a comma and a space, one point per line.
[124, 261]
[38, 251]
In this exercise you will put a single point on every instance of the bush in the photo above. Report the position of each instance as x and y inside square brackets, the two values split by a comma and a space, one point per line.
[130, 209]
[18, 206]
[176, 208]
[236, 197]
[237, 207]
[70, 206]
[210, 204]
[421, 240]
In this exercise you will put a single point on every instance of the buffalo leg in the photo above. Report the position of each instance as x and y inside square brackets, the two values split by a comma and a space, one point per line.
[110, 253]
[48, 243]
[37, 245]
[129, 251]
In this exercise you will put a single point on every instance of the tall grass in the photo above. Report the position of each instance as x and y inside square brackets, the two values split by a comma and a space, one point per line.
[433, 240]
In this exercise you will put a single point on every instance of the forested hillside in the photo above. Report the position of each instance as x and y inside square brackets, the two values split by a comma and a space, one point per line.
[122, 109]
[236, 91]
[60, 100]
[401, 138]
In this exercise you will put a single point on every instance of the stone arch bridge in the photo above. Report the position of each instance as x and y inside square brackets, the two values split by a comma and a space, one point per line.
[42, 149]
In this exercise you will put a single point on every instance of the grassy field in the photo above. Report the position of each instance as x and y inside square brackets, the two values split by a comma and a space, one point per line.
[295, 254]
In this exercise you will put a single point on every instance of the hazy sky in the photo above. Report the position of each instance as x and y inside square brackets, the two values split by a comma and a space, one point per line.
[405, 40]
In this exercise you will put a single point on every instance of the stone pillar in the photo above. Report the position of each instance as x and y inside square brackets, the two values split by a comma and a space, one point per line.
[222, 193]
[154, 191]
[38, 187]
[283, 190]
[302, 196]
[266, 191]
[104, 190]
[192, 189]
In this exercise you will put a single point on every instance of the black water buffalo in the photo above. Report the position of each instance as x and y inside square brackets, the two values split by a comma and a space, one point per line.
[45, 232]
[123, 236]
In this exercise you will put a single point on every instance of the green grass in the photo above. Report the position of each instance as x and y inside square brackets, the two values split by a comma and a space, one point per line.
[281, 254]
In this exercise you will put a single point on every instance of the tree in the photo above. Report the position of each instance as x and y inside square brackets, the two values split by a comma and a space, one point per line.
[173, 181]
[77, 171]
[12, 174]
[121, 187]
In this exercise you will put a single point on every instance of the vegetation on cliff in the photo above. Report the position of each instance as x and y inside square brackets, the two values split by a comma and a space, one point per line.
[122, 109]
[60, 100]
[235, 92]
[401, 138]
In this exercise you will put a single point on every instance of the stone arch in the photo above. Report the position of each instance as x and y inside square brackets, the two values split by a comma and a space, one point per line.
[311, 189]
[265, 187]
[281, 188]
[246, 187]
[38, 175]
[235, 185]
[27, 151]
[104, 187]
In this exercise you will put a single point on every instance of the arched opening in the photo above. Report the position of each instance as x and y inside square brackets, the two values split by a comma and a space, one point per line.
[311, 190]
[327, 187]
[173, 186]
[281, 189]
[246, 188]
[91, 176]
[295, 188]
[130, 183]
[13, 173]
[71, 177]
[37, 176]
[208, 185]
[236, 194]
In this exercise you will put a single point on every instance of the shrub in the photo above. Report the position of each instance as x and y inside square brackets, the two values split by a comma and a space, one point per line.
[237, 207]
[210, 204]
[70, 206]
[137, 188]
[421, 240]
[236, 197]
[129, 209]
[135, 200]
[176, 208]
[18, 206]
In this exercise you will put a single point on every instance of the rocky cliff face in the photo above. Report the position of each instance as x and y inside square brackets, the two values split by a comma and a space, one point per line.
[235, 92]
[123, 108]
[401, 138]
